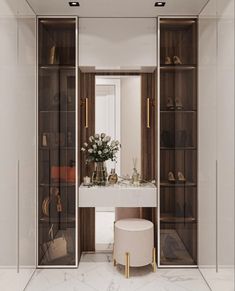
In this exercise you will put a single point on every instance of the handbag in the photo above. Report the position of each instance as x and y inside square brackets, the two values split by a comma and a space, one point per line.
[55, 248]
[54, 197]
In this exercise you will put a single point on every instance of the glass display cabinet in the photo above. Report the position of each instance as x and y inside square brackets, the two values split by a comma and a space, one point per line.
[177, 90]
[57, 140]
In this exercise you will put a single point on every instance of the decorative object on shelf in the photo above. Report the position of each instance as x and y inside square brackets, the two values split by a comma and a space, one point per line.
[63, 174]
[86, 181]
[99, 176]
[181, 177]
[54, 196]
[178, 104]
[170, 104]
[52, 55]
[99, 149]
[55, 248]
[168, 60]
[171, 177]
[177, 60]
[113, 177]
[45, 137]
[135, 175]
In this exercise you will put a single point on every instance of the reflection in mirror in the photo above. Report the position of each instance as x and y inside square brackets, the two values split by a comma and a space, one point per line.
[118, 114]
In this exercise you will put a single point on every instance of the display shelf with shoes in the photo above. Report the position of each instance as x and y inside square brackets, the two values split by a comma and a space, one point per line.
[178, 141]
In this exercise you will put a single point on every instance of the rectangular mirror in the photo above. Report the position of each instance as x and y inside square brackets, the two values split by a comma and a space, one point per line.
[118, 114]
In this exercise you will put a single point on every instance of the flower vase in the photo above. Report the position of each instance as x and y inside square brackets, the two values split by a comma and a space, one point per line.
[99, 176]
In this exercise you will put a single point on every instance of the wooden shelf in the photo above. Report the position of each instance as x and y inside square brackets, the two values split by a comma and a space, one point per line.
[178, 111]
[46, 219]
[57, 184]
[175, 219]
[178, 148]
[178, 67]
[57, 67]
[57, 111]
[175, 185]
[57, 148]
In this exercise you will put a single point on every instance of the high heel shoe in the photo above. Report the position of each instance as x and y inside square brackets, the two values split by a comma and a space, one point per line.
[177, 60]
[178, 104]
[168, 61]
[181, 177]
[170, 104]
[171, 177]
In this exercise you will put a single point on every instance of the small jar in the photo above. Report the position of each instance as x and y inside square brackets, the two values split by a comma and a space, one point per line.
[113, 177]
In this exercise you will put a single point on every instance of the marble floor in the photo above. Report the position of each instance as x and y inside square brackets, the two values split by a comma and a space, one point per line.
[97, 273]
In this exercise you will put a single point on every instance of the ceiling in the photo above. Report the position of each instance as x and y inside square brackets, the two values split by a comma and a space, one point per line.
[117, 8]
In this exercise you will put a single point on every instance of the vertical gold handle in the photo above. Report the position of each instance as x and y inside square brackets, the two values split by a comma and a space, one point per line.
[87, 113]
[148, 112]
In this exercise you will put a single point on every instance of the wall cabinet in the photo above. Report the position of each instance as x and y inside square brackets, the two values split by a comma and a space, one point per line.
[177, 148]
[57, 142]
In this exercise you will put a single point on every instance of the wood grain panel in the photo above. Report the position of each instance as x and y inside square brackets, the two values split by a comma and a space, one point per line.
[87, 215]
[149, 136]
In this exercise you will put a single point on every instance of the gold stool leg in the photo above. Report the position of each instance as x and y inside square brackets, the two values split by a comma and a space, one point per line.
[127, 266]
[114, 262]
[154, 260]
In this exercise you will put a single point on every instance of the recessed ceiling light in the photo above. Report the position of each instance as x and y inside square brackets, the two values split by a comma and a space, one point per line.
[74, 3]
[160, 4]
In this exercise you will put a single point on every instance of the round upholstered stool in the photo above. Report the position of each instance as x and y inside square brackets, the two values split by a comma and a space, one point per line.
[134, 244]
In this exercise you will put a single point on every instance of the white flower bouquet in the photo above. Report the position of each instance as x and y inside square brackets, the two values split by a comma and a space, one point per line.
[100, 148]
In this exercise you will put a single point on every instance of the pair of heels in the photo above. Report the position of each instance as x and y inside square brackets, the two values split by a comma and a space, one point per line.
[174, 61]
[171, 105]
[181, 178]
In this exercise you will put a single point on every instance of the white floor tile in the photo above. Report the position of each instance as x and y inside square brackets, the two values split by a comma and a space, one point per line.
[97, 273]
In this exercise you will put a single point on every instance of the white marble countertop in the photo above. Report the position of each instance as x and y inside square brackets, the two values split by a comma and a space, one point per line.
[118, 195]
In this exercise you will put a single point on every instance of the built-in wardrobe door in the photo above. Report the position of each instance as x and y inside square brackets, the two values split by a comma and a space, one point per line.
[177, 190]
[18, 145]
[216, 141]
[207, 144]
[86, 129]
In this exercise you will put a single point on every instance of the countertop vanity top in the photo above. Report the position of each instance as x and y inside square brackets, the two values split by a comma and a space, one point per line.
[118, 195]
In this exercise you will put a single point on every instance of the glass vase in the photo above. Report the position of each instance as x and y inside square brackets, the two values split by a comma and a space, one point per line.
[99, 176]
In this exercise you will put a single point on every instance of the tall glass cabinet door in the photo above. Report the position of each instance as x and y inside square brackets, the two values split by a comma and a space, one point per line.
[178, 142]
[57, 142]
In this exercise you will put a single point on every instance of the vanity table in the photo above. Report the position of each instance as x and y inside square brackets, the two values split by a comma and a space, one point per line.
[118, 195]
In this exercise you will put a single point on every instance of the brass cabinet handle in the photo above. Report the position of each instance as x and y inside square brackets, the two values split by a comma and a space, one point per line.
[87, 113]
[148, 112]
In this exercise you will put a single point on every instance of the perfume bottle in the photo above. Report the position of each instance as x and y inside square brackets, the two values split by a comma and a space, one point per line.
[113, 177]
[135, 176]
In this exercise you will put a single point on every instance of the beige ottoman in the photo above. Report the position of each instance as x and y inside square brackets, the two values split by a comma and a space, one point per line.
[134, 244]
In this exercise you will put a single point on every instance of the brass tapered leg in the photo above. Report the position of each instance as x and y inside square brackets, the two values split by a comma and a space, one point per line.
[114, 262]
[127, 266]
[154, 260]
